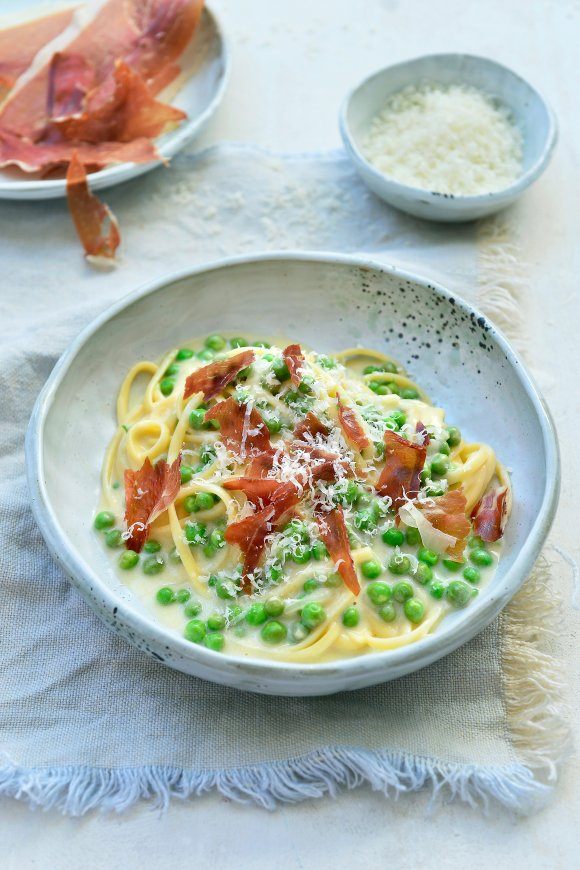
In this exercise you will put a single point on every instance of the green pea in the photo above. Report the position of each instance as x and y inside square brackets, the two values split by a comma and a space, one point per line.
[409, 393]
[182, 596]
[273, 632]
[399, 564]
[114, 538]
[437, 589]
[104, 520]
[216, 622]
[352, 492]
[471, 574]
[262, 344]
[298, 632]
[370, 370]
[207, 454]
[435, 489]
[215, 342]
[423, 573]
[244, 374]
[425, 474]
[378, 387]
[311, 585]
[379, 592]
[379, 448]
[313, 614]
[166, 386]
[171, 370]
[300, 554]
[451, 565]
[475, 542]
[274, 573]
[444, 448]
[153, 565]
[333, 581]
[206, 355]
[393, 537]
[238, 342]
[365, 520]
[186, 472]
[174, 555]
[318, 551]
[128, 560]
[189, 504]
[256, 614]
[413, 537]
[274, 606]
[327, 362]
[183, 353]
[151, 546]
[165, 595]
[274, 425]
[195, 533]
[192, 608]
[481, 557]
[394, 388]
[402, 591]
[458, 593]
[280, 369]
[454, 437]
[214, 641]
[371, 569]
[216, 540]
[197, 418]
[439, 465]
[225, 589]
[351, 617]
[194, 631]
[202, 501]
[387, 612]
[396, 420]
[414, 610]
[430, 557]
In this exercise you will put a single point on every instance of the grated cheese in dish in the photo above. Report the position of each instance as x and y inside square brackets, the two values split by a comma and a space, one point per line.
[451, 140]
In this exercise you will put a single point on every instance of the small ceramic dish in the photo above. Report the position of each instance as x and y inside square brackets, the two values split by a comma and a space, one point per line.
[531, 113]
[328, 302]
[207, 61]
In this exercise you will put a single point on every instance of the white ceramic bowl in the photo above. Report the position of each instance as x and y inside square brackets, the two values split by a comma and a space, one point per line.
[328, 302]
[208, 64]
[533, 116]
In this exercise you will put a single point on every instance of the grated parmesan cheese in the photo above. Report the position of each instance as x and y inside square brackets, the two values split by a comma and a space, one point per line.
[452, 140]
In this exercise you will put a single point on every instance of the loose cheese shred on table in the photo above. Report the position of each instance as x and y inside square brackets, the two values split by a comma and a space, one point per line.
[450, 140]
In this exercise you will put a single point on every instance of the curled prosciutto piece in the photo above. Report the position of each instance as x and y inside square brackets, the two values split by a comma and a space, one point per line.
[310, 426]
[258, 490]
[95, 223]
[334, 534]
[148, 492]
[241, 427]
[294, 359]
[404, 462]
[490, 514]
[352, 427]
[215, 377]
[442, 522]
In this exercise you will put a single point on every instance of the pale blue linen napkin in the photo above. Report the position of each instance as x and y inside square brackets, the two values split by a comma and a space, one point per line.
[86, 721]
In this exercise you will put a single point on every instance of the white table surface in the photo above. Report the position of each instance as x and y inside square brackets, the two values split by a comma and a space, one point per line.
[292, 63]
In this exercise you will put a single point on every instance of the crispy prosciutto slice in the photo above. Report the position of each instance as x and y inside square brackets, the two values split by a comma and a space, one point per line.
[294, 359]
[148, 492]
[215, 377]
[31, 157]
[121, 109]
[490, 514]
[20, 44]
[242, 428]
[258, 490]
[95, 223]
[404, 462]
[441, 521]
[250, 533]
[334, 534]
[261, 464]
[149, 37]
[312, 426]
[352, 427]
[421, 430]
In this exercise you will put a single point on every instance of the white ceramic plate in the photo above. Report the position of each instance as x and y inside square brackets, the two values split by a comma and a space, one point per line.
[207, 61]
[328, 302]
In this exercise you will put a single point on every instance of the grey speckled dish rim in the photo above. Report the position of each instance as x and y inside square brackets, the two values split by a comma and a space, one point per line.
[407, 658]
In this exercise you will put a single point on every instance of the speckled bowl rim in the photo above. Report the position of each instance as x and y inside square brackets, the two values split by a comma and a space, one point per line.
[411, 657]
[396, 187]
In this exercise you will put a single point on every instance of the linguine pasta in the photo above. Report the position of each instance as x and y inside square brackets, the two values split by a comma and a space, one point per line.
[302, 507]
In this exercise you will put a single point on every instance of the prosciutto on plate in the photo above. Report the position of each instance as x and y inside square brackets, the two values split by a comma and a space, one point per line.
[441, 521]
[215, 377]
[352, 427]
[95, 223]
[490, 514]
[148, 492]
[404, 462]
[294, 359]
[241, 427]
[19, 44]
[333, 532]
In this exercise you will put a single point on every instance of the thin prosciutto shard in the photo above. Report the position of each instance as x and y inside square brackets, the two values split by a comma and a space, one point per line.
[404, 462]
[333, 532]
[250, 533]
[95, 224]
[352, 427]
[311, 426]
[258, 490]
[447, 514]
[294, 359]
[241, 427]
[148, 492]
[215, 377]
[490, 514]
